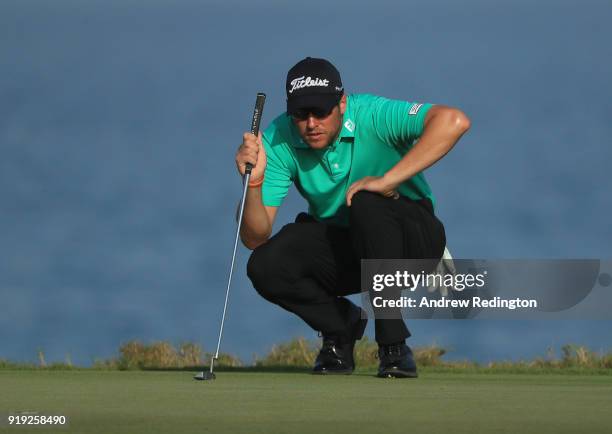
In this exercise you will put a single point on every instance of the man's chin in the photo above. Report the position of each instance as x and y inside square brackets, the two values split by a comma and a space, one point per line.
[318, 143]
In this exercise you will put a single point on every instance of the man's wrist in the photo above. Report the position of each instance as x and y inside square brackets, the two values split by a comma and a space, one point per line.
[391, 181]
[256, 183]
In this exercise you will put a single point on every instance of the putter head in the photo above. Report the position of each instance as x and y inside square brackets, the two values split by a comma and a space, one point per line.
[204, 375]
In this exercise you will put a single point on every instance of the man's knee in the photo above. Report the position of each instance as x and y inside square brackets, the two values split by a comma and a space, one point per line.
[272, 258]
[260, 268]
[366, 205]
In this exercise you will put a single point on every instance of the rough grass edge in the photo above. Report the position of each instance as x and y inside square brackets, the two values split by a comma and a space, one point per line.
[299, 354]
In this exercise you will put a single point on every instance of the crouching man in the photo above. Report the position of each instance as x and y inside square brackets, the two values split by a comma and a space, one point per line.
[358, 161]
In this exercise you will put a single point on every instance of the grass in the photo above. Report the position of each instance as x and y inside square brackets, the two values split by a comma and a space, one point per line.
[98, 401]
[148, 388]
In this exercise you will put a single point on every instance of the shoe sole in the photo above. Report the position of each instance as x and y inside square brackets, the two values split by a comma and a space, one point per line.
[397, 373]
[332, 372]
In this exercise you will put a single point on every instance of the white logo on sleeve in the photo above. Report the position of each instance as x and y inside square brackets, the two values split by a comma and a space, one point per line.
[414, 109]
[300, 82]
[349, 125]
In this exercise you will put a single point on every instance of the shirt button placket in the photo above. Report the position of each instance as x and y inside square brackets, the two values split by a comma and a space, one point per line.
[332, 162]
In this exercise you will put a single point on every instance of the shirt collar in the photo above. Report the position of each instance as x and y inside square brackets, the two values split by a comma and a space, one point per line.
[347, 131]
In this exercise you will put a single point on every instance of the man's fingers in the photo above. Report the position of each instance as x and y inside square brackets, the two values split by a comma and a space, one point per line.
[251, 151]
[354, 188]
[392, 193]
[353, 192]
[249, 141]
[369, 184]
[248, 150]
[248, 136]
[247, 157]
[251, 154]
[250, 147]
[349, 197]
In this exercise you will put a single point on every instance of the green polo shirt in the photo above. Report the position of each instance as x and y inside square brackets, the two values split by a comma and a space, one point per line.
[375, 135]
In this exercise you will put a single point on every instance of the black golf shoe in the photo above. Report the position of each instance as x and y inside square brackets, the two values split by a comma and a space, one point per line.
[336, 355]
[396, 361]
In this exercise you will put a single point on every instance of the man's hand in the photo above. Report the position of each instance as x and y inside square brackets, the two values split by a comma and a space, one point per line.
[375, 184]
[251, 151]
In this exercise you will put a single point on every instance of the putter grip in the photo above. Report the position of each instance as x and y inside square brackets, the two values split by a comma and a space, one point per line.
[257, 112]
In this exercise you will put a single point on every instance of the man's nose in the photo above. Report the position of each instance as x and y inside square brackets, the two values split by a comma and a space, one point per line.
[311, 121]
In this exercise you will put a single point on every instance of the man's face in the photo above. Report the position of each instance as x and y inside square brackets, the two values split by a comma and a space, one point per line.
[320, 132]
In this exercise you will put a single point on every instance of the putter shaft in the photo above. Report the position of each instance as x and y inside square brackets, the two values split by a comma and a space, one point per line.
[257, 112]
[247, 177]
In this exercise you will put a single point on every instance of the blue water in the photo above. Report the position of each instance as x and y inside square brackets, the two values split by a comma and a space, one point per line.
[119, 121]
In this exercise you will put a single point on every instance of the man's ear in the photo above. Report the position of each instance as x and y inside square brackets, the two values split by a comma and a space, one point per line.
[343, 104]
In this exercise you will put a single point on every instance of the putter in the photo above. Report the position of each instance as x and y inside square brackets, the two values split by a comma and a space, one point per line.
[259, 105]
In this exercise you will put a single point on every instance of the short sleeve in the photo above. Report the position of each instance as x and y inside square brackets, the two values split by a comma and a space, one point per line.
[399, 123]
[277, 178]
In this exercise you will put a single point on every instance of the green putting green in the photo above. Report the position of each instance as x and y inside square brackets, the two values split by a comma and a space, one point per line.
[268, 402]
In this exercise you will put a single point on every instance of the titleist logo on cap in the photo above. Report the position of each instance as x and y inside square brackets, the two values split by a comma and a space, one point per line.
[300, 82]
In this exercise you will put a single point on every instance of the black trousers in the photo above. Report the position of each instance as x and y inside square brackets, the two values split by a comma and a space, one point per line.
[308, 267]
